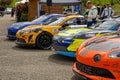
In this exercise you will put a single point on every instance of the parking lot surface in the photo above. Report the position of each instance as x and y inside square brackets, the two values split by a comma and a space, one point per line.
[23, 63]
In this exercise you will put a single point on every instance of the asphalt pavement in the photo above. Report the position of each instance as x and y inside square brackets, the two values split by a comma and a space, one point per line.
[23, 63]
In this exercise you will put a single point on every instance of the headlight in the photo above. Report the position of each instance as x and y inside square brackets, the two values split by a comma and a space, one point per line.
[115, 54]
[97, 58]
[17, 25]
[31, 30]
[26, 31]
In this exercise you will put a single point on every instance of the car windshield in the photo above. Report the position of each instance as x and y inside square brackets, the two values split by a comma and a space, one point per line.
[106, 25]
[50, 20]
[61, 19]
[41, 18]
[103, 45]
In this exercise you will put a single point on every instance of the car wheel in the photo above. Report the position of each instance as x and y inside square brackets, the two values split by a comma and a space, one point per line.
[44, 40]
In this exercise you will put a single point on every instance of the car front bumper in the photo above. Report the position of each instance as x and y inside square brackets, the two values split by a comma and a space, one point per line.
[21, 42]
[86, 76]
[68, 54]
[11, 36]
[26, 39]
[61, 48]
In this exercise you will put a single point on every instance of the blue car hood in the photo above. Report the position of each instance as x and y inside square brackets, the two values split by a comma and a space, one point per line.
[20, 24]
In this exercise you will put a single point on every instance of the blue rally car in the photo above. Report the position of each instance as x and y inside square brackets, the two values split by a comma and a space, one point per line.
[44, 19]
[67, 42]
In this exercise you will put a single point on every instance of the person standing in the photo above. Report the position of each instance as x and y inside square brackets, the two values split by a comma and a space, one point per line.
[91, 14]
[2, 11]
[18, 14]
[12, 12]
[107, 12]
[99, 9]
[103, 7]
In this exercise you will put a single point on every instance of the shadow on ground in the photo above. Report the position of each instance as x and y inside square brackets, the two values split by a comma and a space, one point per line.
[26, 48]
[75, 78]
[13, 20]
[10, 40]
[63, 60]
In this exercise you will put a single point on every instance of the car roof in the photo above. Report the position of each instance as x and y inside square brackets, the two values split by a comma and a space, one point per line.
[70, 16]
[54, 14]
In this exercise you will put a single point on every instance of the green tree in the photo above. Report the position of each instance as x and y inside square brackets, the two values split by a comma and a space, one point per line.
[5, 2]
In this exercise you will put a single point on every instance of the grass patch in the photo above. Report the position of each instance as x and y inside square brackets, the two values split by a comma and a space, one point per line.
[116, 7]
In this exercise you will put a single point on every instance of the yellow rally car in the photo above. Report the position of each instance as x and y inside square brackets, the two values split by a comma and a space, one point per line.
[41, 35]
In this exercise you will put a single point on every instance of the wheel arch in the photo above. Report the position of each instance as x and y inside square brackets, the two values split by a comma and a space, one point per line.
[43, 32]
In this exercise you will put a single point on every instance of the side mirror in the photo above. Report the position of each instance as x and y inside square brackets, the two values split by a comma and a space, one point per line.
[64, 27]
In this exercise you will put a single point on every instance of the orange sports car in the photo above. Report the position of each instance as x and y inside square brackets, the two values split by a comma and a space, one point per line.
[98, 58]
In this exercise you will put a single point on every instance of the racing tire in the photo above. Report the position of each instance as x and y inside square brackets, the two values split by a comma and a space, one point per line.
[44, 41]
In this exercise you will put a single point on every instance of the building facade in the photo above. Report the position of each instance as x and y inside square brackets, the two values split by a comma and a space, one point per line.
[36, 6]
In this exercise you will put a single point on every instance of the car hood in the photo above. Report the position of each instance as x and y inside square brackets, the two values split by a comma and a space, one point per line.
[99, 31]
[22, 23]
[101, 47]
[70, 32]
[15, 25]
[39, 26]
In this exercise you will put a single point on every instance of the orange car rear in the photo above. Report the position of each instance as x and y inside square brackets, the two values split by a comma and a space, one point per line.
[99, 59]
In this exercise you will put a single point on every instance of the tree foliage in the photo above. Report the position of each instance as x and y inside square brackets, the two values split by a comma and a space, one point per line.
[103, 2]
[5, 2]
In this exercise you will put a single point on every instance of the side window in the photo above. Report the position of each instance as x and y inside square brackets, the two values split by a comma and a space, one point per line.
[71, 22]
[53, 18]
[83, 21]
[77, 21]
[119, 27]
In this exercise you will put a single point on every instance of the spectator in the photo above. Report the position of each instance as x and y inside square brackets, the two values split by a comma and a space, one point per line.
[12, 12]
[18, 14]
[2, 11]
[103, 7]
[91, 15]
[99, 9]
[107, 12]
